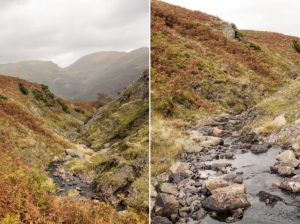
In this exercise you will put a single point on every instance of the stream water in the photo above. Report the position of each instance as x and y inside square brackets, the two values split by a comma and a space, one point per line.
[257, 177]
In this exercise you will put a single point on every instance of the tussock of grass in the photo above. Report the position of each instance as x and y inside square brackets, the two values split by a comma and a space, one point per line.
[166, 143]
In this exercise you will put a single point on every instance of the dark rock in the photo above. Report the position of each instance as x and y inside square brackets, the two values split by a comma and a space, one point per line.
[268, 198]
[258, 149]
[227, 199]
[160, 220]
[166, 205]
[176, 178]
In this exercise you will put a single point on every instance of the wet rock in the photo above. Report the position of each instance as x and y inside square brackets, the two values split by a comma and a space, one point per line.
[166, 205]
[292, 185]
[268, 198]
[227, 199]
[288, 158]
[74, 153]
[169, 188]
[160, 220]
[258, 149]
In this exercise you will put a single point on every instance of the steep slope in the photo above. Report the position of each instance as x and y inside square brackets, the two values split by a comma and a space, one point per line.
[106, 72]
[119, 133]
[202, 65]
[36, 128]
[225, 128]
[206, 64]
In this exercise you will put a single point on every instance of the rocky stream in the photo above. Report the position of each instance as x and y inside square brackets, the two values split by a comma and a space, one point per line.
[224, 176]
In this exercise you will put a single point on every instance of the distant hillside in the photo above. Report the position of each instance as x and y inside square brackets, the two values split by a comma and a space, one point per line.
[106, 72]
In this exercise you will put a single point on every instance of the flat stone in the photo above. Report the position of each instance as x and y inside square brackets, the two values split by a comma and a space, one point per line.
[169, 188]
[227, 199]
[215, 183]
[179, 167]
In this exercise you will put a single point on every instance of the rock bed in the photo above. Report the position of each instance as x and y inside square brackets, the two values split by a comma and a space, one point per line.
[223, 179]
[67, 182]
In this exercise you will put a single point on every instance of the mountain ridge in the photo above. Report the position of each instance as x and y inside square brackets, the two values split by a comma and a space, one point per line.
[94, 72]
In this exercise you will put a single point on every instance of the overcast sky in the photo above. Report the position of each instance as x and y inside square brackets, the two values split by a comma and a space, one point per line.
[64, 30]
[281, 16]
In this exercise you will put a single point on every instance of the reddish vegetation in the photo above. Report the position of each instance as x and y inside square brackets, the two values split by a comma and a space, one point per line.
[196, 65]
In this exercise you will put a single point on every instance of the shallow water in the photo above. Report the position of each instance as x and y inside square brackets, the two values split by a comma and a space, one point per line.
[257, 177]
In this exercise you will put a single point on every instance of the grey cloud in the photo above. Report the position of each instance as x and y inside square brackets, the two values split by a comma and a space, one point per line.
[63, 30]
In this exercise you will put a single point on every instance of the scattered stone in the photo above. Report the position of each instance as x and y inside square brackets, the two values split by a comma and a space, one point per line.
[166, 205]
[227, 199]
[217, 132]
[208, 141]
[285, 170]
[268, 198]
[215, 183]
[288, 158]
[292, 185]
[160, 220]
[164, 177]
[169, 188]
[258, 149]
[179, 167]
[296, 147]
[229, 155]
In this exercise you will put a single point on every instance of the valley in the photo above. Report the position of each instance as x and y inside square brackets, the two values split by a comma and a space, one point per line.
[53, 167]
[225, 121]
[102, 72]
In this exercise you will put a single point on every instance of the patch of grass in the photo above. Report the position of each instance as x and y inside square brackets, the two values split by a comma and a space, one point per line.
[64, 106]
[3, 97]
[23, 89]
[167, 145]
[296, 46]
